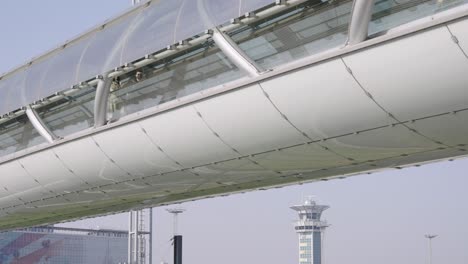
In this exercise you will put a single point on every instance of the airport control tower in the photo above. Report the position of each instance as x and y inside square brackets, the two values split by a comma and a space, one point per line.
[310, 229]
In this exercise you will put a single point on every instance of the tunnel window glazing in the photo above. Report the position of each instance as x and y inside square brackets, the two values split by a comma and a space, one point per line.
[388, 14]
[18, 134]
[198, 69]
[71, 114]
[300, 33]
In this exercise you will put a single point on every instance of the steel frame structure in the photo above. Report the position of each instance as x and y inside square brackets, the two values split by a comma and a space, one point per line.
[361, 13]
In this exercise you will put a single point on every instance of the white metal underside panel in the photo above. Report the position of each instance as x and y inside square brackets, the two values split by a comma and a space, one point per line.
[414, 77]
[421, 158]
[19, 183]
[131, 148]
[460, 30]
[129, 189]
[181, 133]
[299, 159]
[142, 189]
[380, 143]
[51, 173]
[89, 163]
[85, 196]
[47, 206]
[450, 129]
[182, 178]
[324, 106]
[234, 171]
[247, 121]
[8, 200]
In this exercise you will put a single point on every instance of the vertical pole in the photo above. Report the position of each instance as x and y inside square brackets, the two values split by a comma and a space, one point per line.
[136, 234]
[321, 245]
[150, 236]
[430, 237]
[177, 238]
[430, 251]
[175, 225]
[130, 233]
[177, 249]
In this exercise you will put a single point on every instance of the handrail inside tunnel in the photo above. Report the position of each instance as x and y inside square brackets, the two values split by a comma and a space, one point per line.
[267, 38]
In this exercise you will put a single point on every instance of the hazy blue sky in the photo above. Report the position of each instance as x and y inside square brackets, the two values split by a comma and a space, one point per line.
[379, 218]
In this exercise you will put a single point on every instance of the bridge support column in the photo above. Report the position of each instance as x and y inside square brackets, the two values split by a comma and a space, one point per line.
[360, 18]
[39, 125]
[235, 54]
[100, 101]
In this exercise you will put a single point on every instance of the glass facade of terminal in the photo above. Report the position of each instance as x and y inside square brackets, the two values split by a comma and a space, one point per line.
[27, 247]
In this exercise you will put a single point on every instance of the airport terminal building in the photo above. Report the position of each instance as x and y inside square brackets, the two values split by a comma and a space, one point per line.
[63, 245]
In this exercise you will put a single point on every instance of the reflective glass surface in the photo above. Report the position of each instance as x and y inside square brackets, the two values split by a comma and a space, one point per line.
[152, 30]
[104, 51]
[11, 92]
[218, 12]
[249, 5]
[71, 114]
[60, 74]
[34, 81]
[296, 35]
[390, 13]
[18, 134]
[194, 20]
[199, 69]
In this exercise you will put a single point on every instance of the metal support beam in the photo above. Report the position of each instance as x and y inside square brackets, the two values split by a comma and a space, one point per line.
[39, 125]
[235, 54]
[100, 101]
[361, 15]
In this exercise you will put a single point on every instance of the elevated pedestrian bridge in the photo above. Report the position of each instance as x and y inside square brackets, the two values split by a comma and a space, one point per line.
[177, 100]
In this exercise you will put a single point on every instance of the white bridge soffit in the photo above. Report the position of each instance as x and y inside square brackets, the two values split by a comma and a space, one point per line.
[391, 104]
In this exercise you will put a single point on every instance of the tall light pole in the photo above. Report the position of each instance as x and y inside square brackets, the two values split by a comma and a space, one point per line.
[430, 237]
[177, 237]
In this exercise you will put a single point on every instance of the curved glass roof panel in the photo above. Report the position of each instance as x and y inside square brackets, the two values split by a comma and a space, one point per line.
[61, 72]
[249, 5]
[144, 30]
[4, 89]
[34, 81]
[152, 30]
[12, 88]
[220, 12]
[105, 49]
[190, 21]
